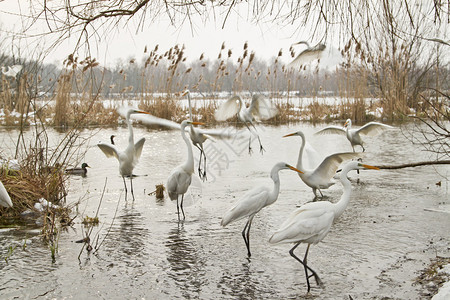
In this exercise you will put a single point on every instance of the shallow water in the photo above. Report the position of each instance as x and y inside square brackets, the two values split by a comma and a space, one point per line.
[390, 230]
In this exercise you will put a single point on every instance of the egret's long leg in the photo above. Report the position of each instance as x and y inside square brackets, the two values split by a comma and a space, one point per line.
[261, 148]
[181, 205]
[125, 184]
[318, 281]
[246, 235]
[131, 183]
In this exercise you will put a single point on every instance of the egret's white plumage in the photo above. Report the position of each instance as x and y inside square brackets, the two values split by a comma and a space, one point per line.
[180, 178]
[320, 177]
[5, 200]
[312, 221]
[307, 55]
[260, 109]
[354, 135]
[12, 71]
[255, 200]
[129, 157]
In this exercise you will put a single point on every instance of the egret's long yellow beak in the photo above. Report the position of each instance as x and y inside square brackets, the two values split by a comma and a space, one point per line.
[370, 167]
[184, 93]
[345, 124]
[294, 169]
[143, 112]
[198, 123]
[291, 134]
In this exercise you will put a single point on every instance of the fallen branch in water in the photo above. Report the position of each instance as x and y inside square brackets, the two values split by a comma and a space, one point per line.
[417, 164]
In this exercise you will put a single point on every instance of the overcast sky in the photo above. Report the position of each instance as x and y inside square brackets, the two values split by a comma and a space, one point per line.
[265, 39]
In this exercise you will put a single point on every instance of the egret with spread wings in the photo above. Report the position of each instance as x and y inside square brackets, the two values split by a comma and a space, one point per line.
[320, 177]
[260, 108]
[307, 55]
[354, 135]
[129, 157]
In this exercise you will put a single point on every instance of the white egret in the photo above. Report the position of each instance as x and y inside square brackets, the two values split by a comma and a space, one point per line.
[128, 158]
[353, 135]
[180, 178]
[255, 200]
[12, 71]
[5, 200]
[312, 221]
[260, 108]
[307, 55]
[320, 177]
[197, 138]
[78, 171]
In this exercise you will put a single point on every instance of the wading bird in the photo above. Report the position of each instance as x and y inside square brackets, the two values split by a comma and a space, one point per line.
[78, 171]
[307, 55]
[255, 200]
[260, 108]
[353, 135]
[5, 200]
[197, 138]
[320, 177]
[180, 178]
[128, 158]
[312, 221]
[12, 71]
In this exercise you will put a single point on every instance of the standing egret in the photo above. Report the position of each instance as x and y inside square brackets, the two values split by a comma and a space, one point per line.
[312, 221]
[353, 135]
[78, 171]
[197, 138]
[307, 55]
[128, 158]
[5, 200]
[180, 178]
[255, 200]
[260, 108]
[320, 177]
[12, 71]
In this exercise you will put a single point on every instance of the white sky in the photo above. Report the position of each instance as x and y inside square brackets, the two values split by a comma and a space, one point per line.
[264, 39]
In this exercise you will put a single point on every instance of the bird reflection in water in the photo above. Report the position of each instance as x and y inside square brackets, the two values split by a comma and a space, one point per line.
[130, 236]
[187, 268]
[240, 284]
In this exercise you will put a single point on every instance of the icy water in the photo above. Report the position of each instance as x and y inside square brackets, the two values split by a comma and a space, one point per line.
[391, 229]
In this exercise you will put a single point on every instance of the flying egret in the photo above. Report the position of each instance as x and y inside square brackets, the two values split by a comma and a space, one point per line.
[180, 178]
[5, 200]
[128, 158]
[307, 55]
[320, 177]
[353, 135]
[78, 171]
[12, 71]
[312, 221]
[255, 200]
[260, 108]
[197, 138]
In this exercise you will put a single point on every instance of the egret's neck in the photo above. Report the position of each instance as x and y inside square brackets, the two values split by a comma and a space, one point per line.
[130, 130]
[190, 108]
[189, 164]
[276, 186]
[345, 198]
[300, 154]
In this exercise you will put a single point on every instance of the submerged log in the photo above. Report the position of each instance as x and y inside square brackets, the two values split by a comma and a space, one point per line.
[416, 164]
